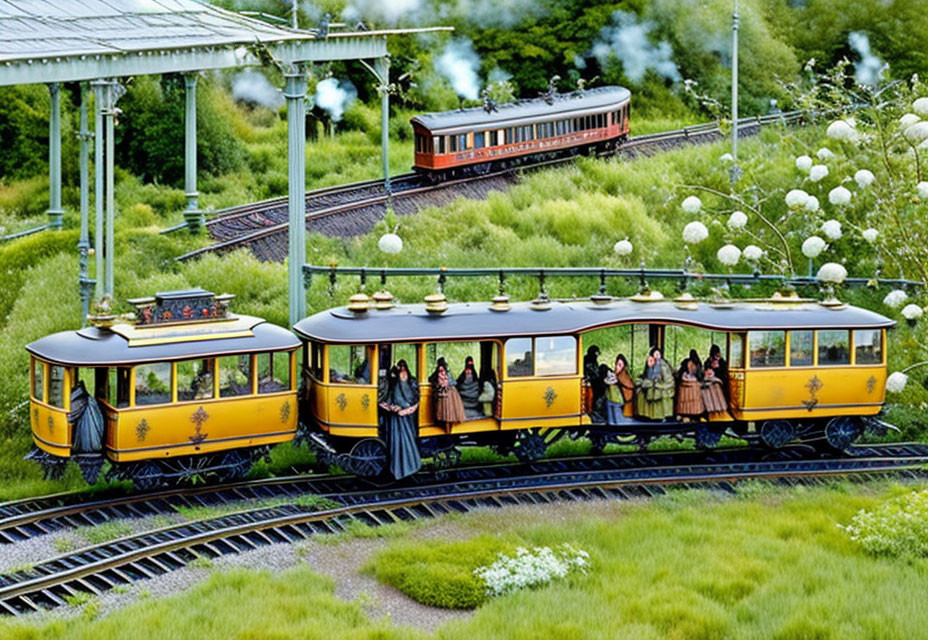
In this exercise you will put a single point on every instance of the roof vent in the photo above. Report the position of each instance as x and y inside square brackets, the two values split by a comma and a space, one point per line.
[436, 303]
[383, 300]
[359, 303]
[601, 299]
[500, 303]
[647, 295]
[686, 301]
[542, 302]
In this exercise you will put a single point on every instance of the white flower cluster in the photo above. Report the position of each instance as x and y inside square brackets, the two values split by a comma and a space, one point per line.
[812, 204]
[804, 163]
[737, 220]
[870, 235]
[531, 568]
[912, 312]
[922, 188]
[796, 199]
[864, 178]
[920, 106]
[832, 272]
[825, 154]
[813, 246]
[726, 158]
[818, 172]
[695, 232]
[896, 382]
[894, 528]
[839, 196]
[623, 247]
[692, 204]
[908, 119]
[841, 130]
[895, 298]
[752, 252]
[729, 255]
[832, 229]
[917, 132]
[390, 243]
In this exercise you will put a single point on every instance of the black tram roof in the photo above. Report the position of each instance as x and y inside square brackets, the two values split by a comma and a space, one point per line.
[475, 320]
[125, 344]
[570, 105]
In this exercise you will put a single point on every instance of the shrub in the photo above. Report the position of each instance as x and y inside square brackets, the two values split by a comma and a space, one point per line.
[26, 198]
[897, 527]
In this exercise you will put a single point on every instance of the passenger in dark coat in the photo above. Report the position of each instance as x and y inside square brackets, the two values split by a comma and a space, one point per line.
[469, 389]
[402, 423]
[593, 374]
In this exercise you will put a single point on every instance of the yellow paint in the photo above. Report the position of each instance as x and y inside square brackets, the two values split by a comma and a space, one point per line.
[351, 404]
[50, 428]
[541, 398]
[171, 430]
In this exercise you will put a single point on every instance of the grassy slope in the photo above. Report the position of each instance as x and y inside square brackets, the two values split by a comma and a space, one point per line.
[770, 563]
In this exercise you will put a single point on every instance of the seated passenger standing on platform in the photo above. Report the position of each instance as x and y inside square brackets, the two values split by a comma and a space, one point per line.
[620, 389]
[448, 407]
[655, 388]
[689, 392]
[468, 385]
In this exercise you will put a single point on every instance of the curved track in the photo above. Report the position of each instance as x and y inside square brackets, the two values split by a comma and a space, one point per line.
[354, 209]
[100, 567]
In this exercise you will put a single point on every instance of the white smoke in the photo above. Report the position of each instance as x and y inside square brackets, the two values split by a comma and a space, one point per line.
[482, 13]
[253, 86]
[627, 40]
[870, 68]
[498, 75]
[458, 63]
[334, 96]
[388, 12]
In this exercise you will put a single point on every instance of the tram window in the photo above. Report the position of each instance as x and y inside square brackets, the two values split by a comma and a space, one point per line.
[234, 376]
[438, 143]
[679, 340]
[800, 348]
[273, 370]
[868, 346]
[555, 355]
[390, 354]
[736, 350]
[418, 143]
[833, 348]
[519, 357]
[118, 387]
[195, 379]
[56, 386]
[152, 383]
[38, 380]
[454, 353]
[767, 348]
[349, 364]
[452, 143]
[315, 360]
[478, 140]
[462, 142]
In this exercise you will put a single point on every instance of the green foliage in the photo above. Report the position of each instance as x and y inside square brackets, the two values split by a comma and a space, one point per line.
[438, 574]
[897, 527]
[24, 199]
[104, 532]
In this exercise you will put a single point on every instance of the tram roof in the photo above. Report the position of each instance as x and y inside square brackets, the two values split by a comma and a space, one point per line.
[471, 321]
[125, 344]
[572, 104]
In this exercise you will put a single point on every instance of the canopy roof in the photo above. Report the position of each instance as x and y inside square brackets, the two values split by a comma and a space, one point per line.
[475, 320]
[562, 105]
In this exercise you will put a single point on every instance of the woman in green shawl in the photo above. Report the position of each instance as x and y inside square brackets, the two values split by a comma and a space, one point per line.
[654, 400]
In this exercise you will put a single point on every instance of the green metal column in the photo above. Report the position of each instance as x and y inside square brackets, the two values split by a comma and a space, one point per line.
[55, 212]
[99, 102]
[85, 283]
[193, 216]
[383, 70]
[295, 93]
[109, 115]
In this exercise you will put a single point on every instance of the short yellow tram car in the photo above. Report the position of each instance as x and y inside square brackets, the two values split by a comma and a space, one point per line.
[790, 368]
[188, 389]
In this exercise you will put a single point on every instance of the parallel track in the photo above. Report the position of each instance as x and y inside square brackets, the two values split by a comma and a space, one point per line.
[353, 209]
[100, 567]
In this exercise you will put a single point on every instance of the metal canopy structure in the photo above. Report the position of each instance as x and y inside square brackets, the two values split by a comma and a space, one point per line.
[96, 42]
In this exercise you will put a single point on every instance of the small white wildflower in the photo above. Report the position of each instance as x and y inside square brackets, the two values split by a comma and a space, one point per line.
[825, 154]
[922, 188]
[920, 106]
[695, 232]
[737, 220]
[796, 198]
[729, 255]
[870, 235]
[912, 312]
[908, 119]
[623, 247]
[726, 158]
[804, 163]
[390, 243]
[753, 252]
[813, 246]
[832, 229]
[917, 132]
[832, 272]
[840, 130]
[812, 204]
[895, 298]
[839, 196]
[864, 178]
[692, 204]
[818, 173]
[896, 382]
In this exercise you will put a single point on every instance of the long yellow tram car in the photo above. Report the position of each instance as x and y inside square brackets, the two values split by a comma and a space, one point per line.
[190, 389]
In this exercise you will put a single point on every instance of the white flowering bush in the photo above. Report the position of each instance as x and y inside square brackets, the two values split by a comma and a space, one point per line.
[898, 527]
[839, 196]
[527, 569]
[832, 273]
[870, 235]
[623, 247]
[692, 204]
[804, 163]
[818, 173]
[728, 255]
[912, 312]
[895, 298]
[390, 243]
[813, 247]
[864, 178]
[796, 199]
[832, 229]
[695, 232]
[896, 382]
[737, 220]
[920, 106]
[752, 253]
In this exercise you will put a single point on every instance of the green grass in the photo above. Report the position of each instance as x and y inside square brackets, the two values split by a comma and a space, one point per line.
[105, 532]
[309, 502]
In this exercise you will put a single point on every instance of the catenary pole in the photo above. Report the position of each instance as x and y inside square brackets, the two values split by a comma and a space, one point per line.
[295, 94]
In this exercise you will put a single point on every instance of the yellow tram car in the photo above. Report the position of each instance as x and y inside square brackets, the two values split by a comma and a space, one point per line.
[796, 368]
[187, 389]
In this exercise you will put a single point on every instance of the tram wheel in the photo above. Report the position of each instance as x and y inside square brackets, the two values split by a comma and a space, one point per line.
[707, 438]
[530, 445]
[233, 465]
[368, 458]
[598, 442]
[840, 433]
[148, 476]
[776, 433]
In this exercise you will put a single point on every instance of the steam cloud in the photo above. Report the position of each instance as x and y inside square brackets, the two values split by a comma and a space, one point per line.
[627, 40]
[252, 86]
[458, 63]
[870, 68]
[483, 13]
[334, 96]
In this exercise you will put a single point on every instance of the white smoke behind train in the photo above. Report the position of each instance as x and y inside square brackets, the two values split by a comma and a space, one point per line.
[870, 68]
[458, 63]
[334, 96]
[482, 13]
[253, 86]
[627, 40]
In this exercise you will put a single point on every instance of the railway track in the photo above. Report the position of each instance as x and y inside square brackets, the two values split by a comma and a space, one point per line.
[354, 209]
[100, 567]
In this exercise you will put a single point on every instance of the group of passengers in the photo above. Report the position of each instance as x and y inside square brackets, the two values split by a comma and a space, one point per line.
[696, 391]
[468, 397]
